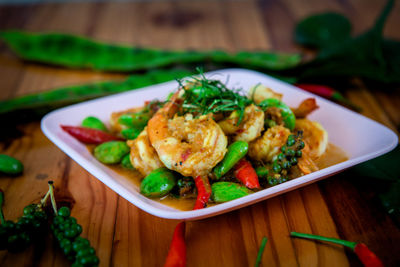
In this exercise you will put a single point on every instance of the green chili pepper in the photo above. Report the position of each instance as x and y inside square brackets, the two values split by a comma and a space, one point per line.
[130, 133]
[236, 151]
[136, 120]
[227, 191]
[287, 114]
[126, 162]
[10, 165]
[37, 105]
[79, 52]
[94, 123]
[111, 152]
[158, 183]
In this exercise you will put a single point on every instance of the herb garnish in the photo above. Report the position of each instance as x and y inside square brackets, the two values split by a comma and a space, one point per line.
[203, 96]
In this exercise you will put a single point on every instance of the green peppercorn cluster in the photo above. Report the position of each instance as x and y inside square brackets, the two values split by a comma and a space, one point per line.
[16, 236]
[277, 172]
[290, 152]
[67, 232]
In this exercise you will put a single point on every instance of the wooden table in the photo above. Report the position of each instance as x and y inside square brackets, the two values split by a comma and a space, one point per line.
[122, 234]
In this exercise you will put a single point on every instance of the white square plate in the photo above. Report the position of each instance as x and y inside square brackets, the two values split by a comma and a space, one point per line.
[361, 138]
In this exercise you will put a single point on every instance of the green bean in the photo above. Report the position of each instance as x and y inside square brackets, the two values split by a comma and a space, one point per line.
[10, 165]
[236, 151]
[227, 191]
[79, 52]
[111, 152]
[126, 162]
[158, 183]
[94, 123]
[38, 104]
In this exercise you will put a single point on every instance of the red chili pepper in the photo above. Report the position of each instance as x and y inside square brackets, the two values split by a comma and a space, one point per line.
[245, 173]
[203, 191]
[329, 93]
[177, 250]
[89, 135]
[366, 256]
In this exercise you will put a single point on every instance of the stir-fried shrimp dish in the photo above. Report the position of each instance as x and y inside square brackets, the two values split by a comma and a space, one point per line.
[210, 144]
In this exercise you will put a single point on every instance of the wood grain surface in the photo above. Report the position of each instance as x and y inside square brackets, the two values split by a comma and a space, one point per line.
[122, 234]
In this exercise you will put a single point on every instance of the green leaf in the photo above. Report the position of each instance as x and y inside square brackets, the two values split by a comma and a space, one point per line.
[385, 167]
[367, 56]
[323, 30]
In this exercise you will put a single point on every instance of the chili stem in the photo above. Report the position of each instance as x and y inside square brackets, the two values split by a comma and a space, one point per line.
[260, 251]
[1, 206]
[328, 239]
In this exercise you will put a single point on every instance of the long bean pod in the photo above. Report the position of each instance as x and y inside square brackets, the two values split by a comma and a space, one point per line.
[79, 52]
[38, 104]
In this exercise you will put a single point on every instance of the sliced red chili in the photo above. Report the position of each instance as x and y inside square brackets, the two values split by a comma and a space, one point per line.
[245, 173]
[203, 191]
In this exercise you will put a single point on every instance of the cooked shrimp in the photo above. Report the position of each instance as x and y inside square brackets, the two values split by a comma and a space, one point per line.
[259, 92]
[306, 164]
[143, 156]
[314, 135]
[249, 129]
[269, 144]
[305, 108]
[190, 146]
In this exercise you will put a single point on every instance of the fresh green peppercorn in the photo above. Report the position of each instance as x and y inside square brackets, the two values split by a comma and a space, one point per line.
[286, 165]
[30, 209]
[280, 156]
[293, 161]
[290, 153]
[276, 167]
[290, 141]
[299, 154]
[272, 181]
[301, 145]
[64, 212]
[283, 149]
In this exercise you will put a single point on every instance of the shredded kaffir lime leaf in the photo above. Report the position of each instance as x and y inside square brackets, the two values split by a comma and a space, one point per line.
[203, 96]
